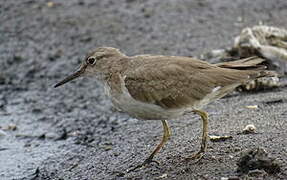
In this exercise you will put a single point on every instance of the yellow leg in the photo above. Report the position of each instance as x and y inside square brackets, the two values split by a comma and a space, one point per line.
[166, 135]
[203, 146]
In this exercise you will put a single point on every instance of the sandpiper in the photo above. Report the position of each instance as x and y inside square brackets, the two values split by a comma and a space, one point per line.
[154, 87]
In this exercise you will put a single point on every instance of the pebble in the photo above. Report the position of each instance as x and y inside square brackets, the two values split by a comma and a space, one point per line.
[250, 128]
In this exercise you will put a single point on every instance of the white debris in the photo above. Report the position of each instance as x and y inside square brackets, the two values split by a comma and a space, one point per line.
[252, 107]
[2, 133]
[250, 128]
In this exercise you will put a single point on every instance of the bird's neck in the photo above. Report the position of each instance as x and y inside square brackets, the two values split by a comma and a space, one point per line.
[111, 66]
[114, 73]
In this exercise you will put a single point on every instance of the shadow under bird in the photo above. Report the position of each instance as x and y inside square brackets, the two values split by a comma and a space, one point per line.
[154, 87]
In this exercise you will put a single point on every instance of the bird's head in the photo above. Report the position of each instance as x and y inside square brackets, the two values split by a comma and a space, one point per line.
[97, 63]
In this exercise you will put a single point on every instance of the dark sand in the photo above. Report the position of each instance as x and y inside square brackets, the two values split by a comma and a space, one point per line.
[74, 133]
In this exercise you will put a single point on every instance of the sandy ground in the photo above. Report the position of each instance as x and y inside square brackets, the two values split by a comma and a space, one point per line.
[74, 133]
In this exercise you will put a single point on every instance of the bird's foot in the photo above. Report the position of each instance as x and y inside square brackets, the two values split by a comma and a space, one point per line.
[143, 165]
[196, 157]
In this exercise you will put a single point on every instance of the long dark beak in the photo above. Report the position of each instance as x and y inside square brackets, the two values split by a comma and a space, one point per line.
[73, 76]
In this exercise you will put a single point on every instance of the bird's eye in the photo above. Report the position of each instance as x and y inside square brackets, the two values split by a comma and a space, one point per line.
[91, 60]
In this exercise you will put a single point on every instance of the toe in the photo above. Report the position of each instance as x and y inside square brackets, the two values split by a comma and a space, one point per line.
[196, 157]
[143, 165]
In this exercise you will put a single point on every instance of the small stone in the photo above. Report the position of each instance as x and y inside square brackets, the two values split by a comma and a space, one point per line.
[250, 128]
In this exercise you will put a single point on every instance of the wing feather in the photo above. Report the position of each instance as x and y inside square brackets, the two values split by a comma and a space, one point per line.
[178, 83]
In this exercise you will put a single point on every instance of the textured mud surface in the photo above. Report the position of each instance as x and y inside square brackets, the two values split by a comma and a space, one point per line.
[74, 133]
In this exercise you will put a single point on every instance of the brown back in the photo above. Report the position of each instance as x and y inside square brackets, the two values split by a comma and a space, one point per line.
[176, 82]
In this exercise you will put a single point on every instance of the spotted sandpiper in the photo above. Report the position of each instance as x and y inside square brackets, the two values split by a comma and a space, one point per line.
[154, 87]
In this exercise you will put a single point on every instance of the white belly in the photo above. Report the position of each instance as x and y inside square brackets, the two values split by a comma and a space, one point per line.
[141, 110]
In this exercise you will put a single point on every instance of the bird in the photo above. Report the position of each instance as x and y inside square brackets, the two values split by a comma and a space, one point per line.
[157, 87]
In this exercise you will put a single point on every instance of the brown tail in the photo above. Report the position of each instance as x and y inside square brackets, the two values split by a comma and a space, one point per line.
[253, 64]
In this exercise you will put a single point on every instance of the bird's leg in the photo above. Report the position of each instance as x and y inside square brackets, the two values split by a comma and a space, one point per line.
[166, 135]
[204, 116]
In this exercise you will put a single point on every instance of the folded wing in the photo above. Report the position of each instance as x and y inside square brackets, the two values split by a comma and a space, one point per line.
[181, 82]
